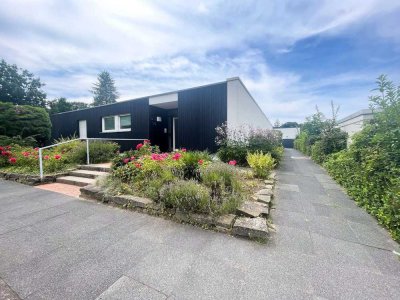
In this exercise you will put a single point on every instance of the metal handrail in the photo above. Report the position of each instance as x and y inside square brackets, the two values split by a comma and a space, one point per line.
[79, 139]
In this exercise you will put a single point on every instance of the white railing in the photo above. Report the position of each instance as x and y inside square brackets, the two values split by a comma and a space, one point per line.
[87, 149]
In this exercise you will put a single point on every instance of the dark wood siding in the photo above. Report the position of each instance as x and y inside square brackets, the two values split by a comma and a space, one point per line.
[67, 124]
[200, 111]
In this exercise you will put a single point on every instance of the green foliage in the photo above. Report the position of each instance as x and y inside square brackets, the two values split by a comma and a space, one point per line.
[235, 143]
[99, 151]
[24, 121]
[191, 161]
[61, 105]
[222, 179]
[186, 195]
[290, 125]
[20, 87]
[320, 137]
[370, 168]
[18, 140]
[104, 91]
[261, 164]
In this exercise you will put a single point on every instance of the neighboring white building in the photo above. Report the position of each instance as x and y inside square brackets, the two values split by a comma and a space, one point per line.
[355, 122]
[288, 135]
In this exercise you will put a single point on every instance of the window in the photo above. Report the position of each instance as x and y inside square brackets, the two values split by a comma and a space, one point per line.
[116, 123]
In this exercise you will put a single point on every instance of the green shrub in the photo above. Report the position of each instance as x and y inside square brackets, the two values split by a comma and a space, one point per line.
[317, 152]
[186, 195]
[100, 151]
[261, 164]
[191, 163]
[222, 179]
[18, 140]
[228, 153]
[24, 121]
[370, 168]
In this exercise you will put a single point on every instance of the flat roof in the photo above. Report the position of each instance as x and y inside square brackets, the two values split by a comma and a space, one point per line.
[155, 95]
[356, 114]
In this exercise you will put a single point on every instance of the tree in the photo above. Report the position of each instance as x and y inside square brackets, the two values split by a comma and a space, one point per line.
[104, 91]
[61, 105]
[19, 86]
[290, 125]
[277, 123]
[24, 121]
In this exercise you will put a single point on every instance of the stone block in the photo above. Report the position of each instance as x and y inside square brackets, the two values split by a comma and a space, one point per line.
[225, 221]
[202, 219]
[132, 201]
[265, 199]
[269, 181]
[267, 192]
[269, 186]
[253, 209]
[250, 227]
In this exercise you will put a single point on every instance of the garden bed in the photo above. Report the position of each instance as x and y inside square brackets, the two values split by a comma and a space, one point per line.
[30, 179]
[190, 187]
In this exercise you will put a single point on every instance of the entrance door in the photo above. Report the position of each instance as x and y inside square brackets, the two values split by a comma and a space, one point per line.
[174, 132]
[82, 129]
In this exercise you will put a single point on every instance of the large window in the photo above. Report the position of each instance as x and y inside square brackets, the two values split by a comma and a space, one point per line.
[117, 123]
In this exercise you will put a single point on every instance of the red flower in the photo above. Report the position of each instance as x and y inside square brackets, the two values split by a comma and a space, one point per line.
[232, 162]
[183, 149]
[137, 165]
[176, 156]
[146, 141]
[8, 147]
[6, 153]
[26, 154]
[1, 148]
[46, 157]
[139, 146]
[57, 156]
[36, 149]
[200, 161]
[12, 160]
[132, 158]
[126, 160]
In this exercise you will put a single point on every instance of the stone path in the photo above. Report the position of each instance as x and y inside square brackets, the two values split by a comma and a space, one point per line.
[58, 247]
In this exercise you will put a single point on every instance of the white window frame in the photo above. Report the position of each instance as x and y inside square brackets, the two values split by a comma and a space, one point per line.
[117, 124]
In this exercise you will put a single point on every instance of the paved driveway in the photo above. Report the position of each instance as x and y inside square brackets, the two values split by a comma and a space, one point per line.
[58, 247]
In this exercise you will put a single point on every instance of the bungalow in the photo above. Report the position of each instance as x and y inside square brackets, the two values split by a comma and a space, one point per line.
[185, 118]
[355, 122]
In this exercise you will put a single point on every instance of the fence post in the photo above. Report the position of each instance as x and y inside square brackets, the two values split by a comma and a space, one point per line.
[40, 164]
[87, 152]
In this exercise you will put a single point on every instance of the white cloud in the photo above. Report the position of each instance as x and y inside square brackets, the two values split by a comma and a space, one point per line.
[156, 46]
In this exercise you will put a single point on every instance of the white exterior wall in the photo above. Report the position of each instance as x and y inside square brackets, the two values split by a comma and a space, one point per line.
[355, 123]
[289, 133]
[242, 108]
[166, 98]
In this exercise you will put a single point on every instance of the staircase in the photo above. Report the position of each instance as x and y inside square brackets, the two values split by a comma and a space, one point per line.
[85, 174]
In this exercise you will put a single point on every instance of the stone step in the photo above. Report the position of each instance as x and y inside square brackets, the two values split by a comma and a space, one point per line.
[73, 180]
[96, 167]
[87, 173]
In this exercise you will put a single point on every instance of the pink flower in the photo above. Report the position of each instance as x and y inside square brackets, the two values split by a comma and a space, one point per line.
[139, 146]
[1, 148]
[46, 157]
[26, 154]
[126, 160]
[146, 141]
[132, 158]
[57, 156]
[176, 156]
[12, 160]
[183, 149]
[36, 149]
[232, 162]
[200, 162]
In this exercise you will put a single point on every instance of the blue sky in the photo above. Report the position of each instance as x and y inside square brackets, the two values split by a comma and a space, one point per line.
[292, 55]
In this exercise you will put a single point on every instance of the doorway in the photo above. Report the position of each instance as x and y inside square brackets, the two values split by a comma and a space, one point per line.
[174, 131]
[82, 129]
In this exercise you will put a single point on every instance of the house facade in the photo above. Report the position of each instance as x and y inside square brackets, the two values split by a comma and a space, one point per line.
[355, 122]
[288, 136]
[185, 118]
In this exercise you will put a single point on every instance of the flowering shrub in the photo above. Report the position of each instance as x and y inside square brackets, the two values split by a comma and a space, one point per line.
[235, 143]
[261, 164]
[185, 180]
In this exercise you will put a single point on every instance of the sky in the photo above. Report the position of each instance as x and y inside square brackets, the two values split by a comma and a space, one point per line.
[291, 55]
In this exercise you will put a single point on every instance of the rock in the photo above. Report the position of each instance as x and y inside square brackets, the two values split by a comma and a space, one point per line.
[202, 219]
[92, 191]
[272, 175]
[251, 227]
[225, 221]
[253, 209]
[267, 192]
[181, 216]
[269, 186]
[266, 199]
[132, 201]
[269, 181]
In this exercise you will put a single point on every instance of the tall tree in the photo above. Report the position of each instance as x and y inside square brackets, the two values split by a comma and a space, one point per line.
[61, 105]
[290, 125]
[277, 123]
[104, 90]
[19, 86]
